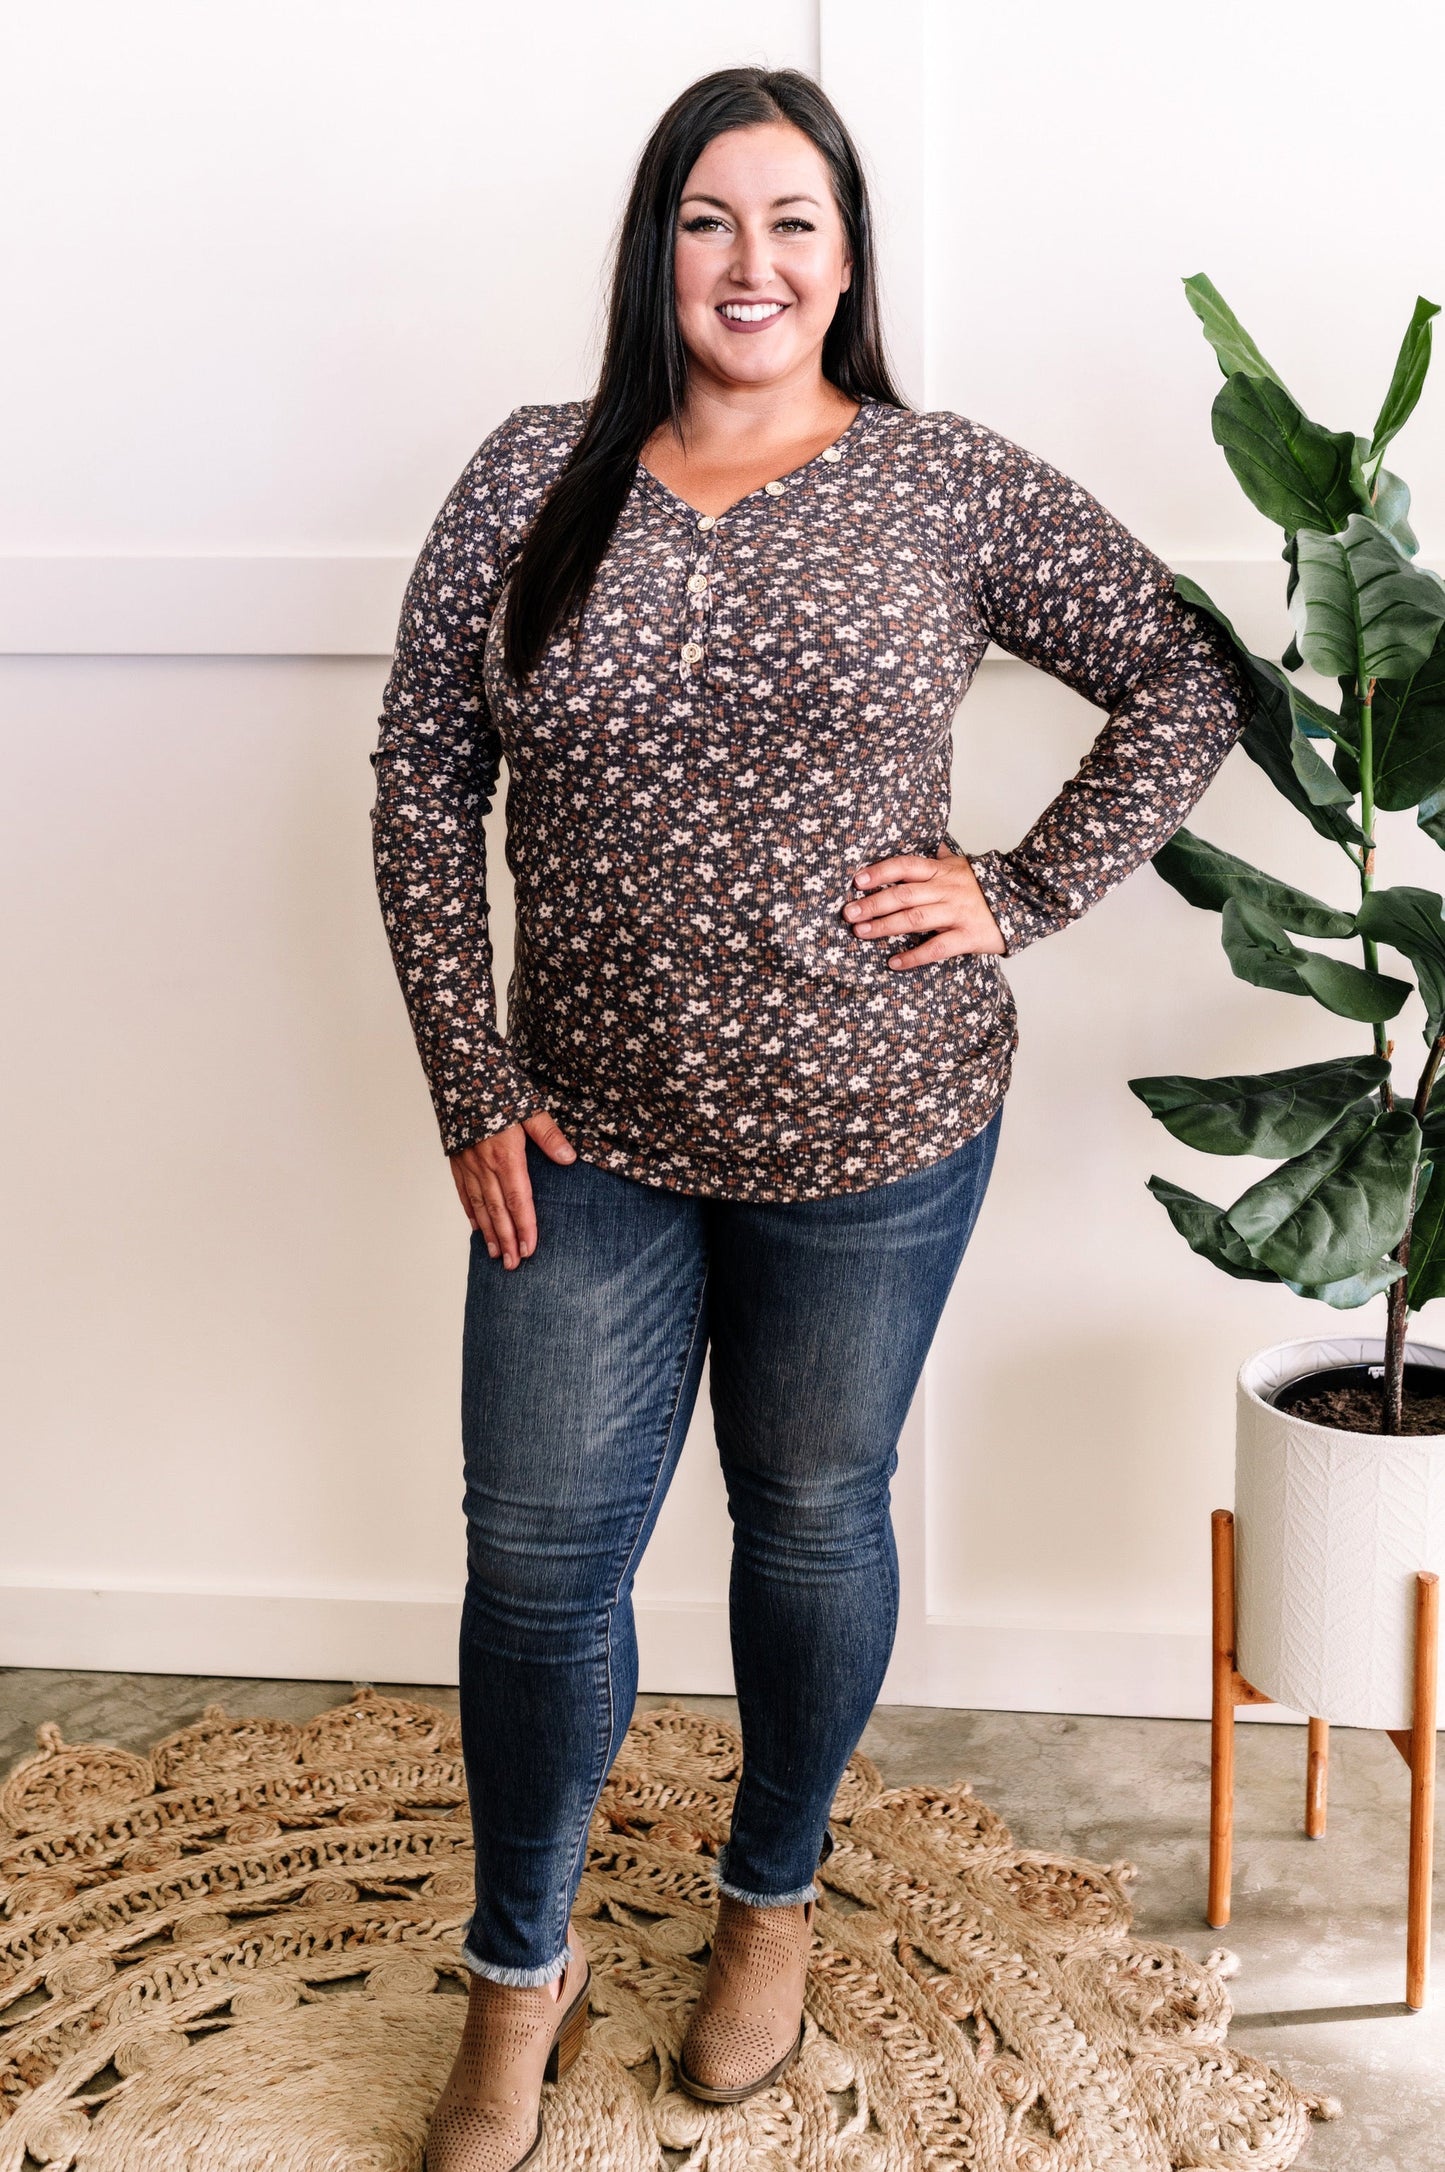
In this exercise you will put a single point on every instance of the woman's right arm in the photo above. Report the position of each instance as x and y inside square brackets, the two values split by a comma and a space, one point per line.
[436, 761]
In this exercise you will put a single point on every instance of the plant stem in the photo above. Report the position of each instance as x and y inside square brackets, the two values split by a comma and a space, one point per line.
[1366, 861]
[1427, 1076]
[1396, 1321]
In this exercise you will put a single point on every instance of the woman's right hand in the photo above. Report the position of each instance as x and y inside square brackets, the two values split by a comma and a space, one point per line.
[495, 1190]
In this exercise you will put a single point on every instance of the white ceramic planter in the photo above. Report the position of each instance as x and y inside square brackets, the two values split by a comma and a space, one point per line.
[1330, 1529]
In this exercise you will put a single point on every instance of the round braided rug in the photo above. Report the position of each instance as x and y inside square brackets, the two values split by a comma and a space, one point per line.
[241, 1954]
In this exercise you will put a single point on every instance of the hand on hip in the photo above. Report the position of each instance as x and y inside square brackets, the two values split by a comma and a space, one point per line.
[495, 1189]
[940, 896]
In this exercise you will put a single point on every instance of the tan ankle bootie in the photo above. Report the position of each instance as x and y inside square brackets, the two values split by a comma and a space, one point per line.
[488, 2117]
[748, 2022]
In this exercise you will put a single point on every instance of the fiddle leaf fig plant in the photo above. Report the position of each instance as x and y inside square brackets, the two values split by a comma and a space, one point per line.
[1357, 1203]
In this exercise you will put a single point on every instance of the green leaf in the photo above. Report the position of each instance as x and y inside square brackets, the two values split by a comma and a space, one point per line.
[1205, 1230]
[1411, 364]
[1312, 717]
[1389, 503]
[1432, 1128]
[1431, 816]
[1354, 1289]
[1277, 728]
[1321, 785]
[1408, 732]
[1291, 558]
[1232, 345]
[1275, 741]
[1361, 606]
[1261, 953]
[1275, 1112]
[1392, 507]
[1351, 991]
[1310, 720]
[1411, 922]
[1427, 1243]
[1259, 950]
[1207, 876]
[1295, 472]
[1291, 659]
[1331, 1212]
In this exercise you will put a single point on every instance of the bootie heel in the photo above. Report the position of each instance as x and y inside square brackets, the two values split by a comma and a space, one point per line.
[570, 2037]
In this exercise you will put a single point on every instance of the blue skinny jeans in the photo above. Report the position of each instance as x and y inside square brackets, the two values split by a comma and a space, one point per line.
[580, 1372]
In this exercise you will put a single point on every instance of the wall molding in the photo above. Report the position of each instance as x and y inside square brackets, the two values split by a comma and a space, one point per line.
[1137, 1674]
[286, 605]
[343, 606]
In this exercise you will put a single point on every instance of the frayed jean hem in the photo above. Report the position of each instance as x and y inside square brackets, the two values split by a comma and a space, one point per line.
[765, 1900]
[522, 1979]
[719, 1869]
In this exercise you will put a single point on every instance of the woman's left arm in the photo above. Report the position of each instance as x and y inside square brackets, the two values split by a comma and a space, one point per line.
[1055, 579]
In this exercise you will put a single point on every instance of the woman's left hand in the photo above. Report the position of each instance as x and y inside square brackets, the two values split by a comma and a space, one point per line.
[941, 895]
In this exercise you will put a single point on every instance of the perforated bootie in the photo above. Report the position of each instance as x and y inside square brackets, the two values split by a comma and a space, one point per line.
[747, 2025]
[488, 2117]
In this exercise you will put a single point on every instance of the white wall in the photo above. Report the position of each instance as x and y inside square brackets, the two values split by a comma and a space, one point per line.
[1081, 163]
[278, 271]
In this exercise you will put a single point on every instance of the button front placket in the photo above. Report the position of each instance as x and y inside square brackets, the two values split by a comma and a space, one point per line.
[698, 585]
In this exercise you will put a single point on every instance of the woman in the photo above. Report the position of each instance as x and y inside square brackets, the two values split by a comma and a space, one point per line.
[719, 619]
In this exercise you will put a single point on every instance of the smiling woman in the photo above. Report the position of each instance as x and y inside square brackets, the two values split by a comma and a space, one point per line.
[761, 260]
[718, 618]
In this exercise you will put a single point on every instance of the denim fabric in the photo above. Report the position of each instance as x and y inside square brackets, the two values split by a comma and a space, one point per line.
[580, 1372]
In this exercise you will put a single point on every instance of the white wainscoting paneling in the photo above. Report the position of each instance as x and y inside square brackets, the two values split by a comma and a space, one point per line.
[683, 1649]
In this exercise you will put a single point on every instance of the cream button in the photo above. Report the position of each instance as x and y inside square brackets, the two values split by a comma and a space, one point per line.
[692, 652]
[775, 490]
[697, 584]
[831, 453]
[706, 521]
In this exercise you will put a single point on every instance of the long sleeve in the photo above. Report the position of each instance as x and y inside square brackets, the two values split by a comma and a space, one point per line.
[436, 762]
[1059, 582]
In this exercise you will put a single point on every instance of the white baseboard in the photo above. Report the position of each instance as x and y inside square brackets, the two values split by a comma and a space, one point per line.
[684, 1650]
[322, 1638]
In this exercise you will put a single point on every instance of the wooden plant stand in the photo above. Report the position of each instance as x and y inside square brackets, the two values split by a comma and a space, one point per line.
[1416, 1744]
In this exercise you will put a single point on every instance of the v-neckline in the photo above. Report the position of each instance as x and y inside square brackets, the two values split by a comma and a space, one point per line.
[695, 512]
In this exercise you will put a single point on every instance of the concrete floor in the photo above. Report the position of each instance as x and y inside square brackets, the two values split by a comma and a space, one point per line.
[1318, 1926]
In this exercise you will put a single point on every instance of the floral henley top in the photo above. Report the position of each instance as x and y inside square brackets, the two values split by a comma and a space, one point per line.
[759, 703]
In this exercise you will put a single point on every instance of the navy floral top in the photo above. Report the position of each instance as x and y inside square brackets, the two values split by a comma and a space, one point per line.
[758, 704]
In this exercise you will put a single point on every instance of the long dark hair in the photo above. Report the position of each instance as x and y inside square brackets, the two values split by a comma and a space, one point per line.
[643, 378]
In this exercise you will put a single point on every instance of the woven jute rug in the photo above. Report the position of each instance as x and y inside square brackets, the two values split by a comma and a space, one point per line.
[241, 1954]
